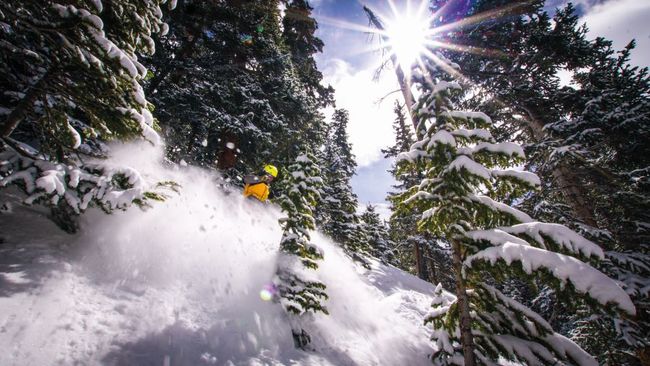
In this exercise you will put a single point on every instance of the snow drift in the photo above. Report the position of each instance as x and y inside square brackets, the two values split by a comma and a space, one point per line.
[180, 284]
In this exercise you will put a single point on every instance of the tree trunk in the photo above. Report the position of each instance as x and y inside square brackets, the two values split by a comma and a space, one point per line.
[575, 196]
[433, 276]
[465, 322]
[643, 354]
[404, 85]
[567, 179]
[420, 267]
[18, 113]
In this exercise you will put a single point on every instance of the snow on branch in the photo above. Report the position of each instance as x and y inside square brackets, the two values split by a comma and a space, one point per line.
[501, 207]
[505, 148]
[495, 237]
[527, 177]
[468, 116]
[532, 352]
[462, 162]
[422, 195]
[109, 186]
[442, 137]
[584, 278]
[410, 156]
[535, 353]
[559, 234]
[444, 87]
[478, 133]
[145, 121]
[517, 306]
[569, 349]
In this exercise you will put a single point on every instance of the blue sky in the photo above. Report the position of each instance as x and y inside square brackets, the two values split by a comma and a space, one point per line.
[349, 67]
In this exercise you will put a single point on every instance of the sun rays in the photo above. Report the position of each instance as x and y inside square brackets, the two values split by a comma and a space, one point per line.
[407, 34]
[412, 32]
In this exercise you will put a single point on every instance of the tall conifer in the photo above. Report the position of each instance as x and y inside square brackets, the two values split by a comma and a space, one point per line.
[467, 176]
[338, 214]
[300, 292]
[71, 80]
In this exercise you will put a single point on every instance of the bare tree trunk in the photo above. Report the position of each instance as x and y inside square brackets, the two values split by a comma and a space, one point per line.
[401, 79]
[433, 276]
[575, 196]
[18, 113]
[420, 267]
[566, 178]
[643, 354]
[465, 322]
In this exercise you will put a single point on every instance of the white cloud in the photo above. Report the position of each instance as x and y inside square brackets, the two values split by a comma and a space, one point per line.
[620, 21]
[316, 3]
[373, 181]
[370, 127]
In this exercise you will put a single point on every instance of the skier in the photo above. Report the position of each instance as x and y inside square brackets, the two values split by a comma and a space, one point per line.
[258, 186]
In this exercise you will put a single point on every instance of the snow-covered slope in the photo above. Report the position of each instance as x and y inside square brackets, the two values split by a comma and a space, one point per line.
[180, 283]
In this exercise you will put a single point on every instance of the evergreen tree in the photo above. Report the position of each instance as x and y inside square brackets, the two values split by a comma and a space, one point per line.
[402, 226]
[403, 136]
[459, 199]
[572, 135]
[415, 252]
[519, 51]
[298, 35]
[605, 139]
[231, 94]
[338, 148]
[298, 32]
[377, 235]
[299, 290]
[338, 217]
[71, 80]
[217, 55]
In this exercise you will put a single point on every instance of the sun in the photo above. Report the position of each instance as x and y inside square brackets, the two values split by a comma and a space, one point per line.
[406, 36]
[413, 32]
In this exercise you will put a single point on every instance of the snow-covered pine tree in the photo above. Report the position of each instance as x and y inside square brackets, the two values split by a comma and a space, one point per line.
[414, 251]
[377, 235]
[403, 135]
[410, 245]
[71, 78]
[211, 84]
[467, 176]
[532, 49]
[298, 32]
[337, 213]
[608, 130]
[606, 137]
[299, 289]
[338, 148]
[572, 135]
[229, 86]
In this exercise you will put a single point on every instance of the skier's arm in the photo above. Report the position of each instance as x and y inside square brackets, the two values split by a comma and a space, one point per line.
[251, 179]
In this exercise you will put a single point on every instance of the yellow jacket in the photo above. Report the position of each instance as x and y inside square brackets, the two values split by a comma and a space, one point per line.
[257, 190]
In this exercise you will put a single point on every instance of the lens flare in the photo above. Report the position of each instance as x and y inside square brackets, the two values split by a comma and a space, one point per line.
[268, 292]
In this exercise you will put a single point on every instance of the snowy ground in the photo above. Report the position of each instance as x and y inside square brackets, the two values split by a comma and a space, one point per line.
[179, 285]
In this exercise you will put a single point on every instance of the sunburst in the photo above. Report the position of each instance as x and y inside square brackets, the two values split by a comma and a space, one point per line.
[407, 33]
[411, 35]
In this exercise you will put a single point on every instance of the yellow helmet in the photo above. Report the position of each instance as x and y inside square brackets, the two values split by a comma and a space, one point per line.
[271, 170]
